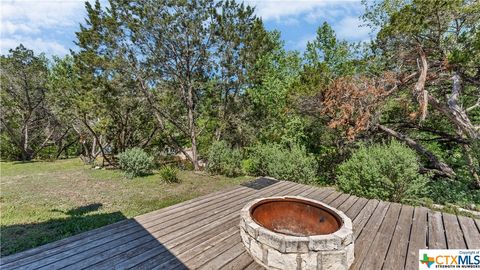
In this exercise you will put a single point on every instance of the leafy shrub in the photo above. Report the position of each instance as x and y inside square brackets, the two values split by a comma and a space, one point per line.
[135, 162]
[169, 174]
[293, 163]
[224, 160]
[382, 171]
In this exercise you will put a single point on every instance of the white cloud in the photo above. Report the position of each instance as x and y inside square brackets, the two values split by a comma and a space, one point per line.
[42, 14]
[49, 47]
[283, 9]
[269, 10]
[37, 24]
[350, 28]
[8, 27]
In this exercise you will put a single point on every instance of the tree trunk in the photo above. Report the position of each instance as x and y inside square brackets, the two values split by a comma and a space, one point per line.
[454, 112]
[105, 158]
[26, 151]
[442, 168]
[191, 125]
[420, 92]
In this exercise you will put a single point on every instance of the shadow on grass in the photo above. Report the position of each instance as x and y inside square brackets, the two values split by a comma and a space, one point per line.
[82, 210]
[134, 238]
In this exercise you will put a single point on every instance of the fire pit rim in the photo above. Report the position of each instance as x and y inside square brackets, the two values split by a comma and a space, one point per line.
[346, 223]
[288, 243]
[297, 199]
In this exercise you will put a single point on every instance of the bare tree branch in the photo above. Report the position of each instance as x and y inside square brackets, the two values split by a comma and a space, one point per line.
[433, 160]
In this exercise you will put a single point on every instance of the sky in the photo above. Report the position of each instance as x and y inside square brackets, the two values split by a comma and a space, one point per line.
[49, 26]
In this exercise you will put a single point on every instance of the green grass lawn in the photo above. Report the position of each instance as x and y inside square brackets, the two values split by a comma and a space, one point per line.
[45, 201]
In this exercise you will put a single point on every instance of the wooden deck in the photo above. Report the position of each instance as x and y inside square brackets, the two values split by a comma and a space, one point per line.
[203, 234]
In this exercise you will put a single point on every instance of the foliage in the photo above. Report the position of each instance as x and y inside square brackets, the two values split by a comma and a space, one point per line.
[271, 108]
[285, 163]
[355, 103]
[8, 150]
[444, 191]
[27, 119]
[336, 55]
[169, 174]
[201, 60]
[224, 160]
[135, 162]
[383, 171]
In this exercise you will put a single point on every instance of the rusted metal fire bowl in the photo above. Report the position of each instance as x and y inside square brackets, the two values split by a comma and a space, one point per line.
[296, 233]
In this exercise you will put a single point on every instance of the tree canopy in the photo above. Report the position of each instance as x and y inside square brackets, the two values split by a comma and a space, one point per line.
[182, 76]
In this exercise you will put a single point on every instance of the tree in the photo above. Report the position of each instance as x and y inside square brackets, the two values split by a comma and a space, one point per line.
[272, 115]
[434, 43]
[439, 41]
[26, 117]
[338, 56]
[173, 69]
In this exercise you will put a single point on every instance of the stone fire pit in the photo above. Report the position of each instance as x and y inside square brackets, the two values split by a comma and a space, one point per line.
[296, 233]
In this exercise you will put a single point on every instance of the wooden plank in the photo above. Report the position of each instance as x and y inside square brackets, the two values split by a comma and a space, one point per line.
[144, 233]
[118, 229]
[470, 232]
[254, 266]
[353, 211]
[139, 254]
[363, 217]
[330, 198]
[379, 248]
[308, 191]
[477, 222]
[339, 200]
[224, 257]
[318, 192]
[154, 256]
[365, 239]
[240, 262]
[418, 237]
[321, 194]
[345, 206]
[397, 252]
[436, 232]
[181, 254]
[212, 252]
[453, 232]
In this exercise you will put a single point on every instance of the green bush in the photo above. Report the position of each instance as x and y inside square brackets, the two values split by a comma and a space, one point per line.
[135, 162]
[382, 171]
[224, 160]
[293, 164]
[169, 174]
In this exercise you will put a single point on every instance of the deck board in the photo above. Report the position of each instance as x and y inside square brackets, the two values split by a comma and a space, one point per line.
[453, 231]
[203, 234]
[397, 253]
[379, 248]
[418, 237]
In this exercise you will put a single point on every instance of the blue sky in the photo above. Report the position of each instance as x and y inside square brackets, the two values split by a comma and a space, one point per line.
[49, 25]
